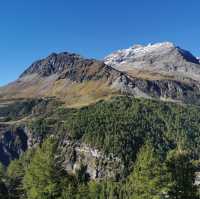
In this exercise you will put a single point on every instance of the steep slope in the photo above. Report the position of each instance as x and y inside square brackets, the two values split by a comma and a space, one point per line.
[105, 137]
[78, 81]
[67, 65]
[67, 76]
[158, 59]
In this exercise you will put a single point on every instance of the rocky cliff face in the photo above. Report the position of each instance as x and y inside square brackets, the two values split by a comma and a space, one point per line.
[69, 66]
[14, 141]
[17, 136]
[97, 164]
[167, 89]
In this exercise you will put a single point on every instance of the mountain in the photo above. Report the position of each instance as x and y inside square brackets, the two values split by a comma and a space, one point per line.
[65, 75]
[67, 65]
[78, 127]
[161, 71]
[164, 58]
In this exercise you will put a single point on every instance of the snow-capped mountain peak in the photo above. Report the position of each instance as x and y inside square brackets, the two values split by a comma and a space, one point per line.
[134, 51]
[163, 57]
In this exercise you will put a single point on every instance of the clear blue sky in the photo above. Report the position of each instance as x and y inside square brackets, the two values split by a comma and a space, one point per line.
[31, 29]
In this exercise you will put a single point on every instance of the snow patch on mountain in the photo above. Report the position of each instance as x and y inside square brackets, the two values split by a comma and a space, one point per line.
[136, 51]
[165, 58]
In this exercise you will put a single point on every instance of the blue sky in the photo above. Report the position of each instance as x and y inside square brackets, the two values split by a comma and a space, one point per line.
[32, 29]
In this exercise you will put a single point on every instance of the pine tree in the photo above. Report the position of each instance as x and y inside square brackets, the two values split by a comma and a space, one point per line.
[149, 178]
[183, 175]
[69, 187]
[44, 174]
[15, 174]
[3, 188]
[83, 192]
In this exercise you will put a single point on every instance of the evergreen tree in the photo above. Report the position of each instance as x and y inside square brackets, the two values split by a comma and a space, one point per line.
[83, 192]
[15, 174]
[183, 175]
[95, 190]
[149, 179]
[3, 188]
[69, 187]
[44, 174]
[105, 189]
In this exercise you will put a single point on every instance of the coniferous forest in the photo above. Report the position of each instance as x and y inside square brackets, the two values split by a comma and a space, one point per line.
[158, 143]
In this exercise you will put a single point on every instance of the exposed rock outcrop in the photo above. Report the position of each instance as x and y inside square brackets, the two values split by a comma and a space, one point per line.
[13, 143]
[171, 90]
[97, 164]
[69, 66]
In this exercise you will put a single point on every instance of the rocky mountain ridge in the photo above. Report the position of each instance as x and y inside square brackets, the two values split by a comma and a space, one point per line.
[164, 58]
[160, 71]
[68, 65]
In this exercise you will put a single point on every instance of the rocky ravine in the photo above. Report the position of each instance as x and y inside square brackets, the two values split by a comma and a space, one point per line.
[17, 136]
[15, 141]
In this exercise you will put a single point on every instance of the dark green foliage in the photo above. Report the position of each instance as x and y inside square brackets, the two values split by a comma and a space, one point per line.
[122, 125]
[183, 175]
[15, 175]
[18, 109]
[106, 189]
[3, 188]
[3, 191]
[43, 176]
[69, 186]
[39, 127]
[149, 179]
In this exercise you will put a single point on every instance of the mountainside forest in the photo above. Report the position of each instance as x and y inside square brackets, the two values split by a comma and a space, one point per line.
[156, 143]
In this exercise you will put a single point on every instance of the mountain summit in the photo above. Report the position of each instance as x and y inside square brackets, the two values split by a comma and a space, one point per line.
[159, 71]
[164, 58]
[67, 66]
[64, 75]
